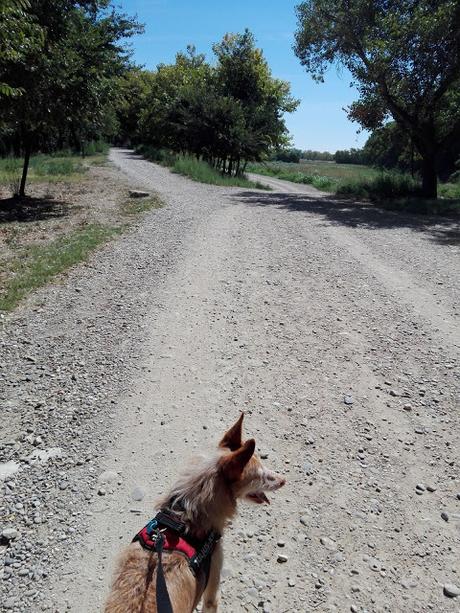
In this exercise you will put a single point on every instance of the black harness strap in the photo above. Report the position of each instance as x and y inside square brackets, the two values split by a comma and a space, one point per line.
[163, 600]
[152, 537]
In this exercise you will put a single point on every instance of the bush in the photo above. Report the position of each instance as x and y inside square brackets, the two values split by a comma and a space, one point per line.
[94, 147]
[160, 156]
[388, 185]
[201, 171]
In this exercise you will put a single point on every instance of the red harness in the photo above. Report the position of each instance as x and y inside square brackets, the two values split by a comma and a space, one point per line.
[168, 531]
[172, 541]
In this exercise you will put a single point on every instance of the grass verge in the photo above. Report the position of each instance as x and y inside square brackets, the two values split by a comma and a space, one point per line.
[197, 170]
[137, 206]
[388, 189]
[321, 182]
[58, 167]
[37, 264]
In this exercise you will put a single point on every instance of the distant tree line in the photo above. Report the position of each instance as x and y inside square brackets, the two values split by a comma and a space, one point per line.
[226, 113]
[388, 147]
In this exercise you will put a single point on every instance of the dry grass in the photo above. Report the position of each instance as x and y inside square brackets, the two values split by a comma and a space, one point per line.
[59, 225]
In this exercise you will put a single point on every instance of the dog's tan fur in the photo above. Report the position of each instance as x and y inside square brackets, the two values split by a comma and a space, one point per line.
[205, 498]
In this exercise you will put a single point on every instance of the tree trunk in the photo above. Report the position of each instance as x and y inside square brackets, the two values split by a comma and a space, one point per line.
[429, 177]
[25, 169]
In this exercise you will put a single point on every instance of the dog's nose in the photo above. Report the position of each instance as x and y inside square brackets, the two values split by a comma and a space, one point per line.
[282, 481]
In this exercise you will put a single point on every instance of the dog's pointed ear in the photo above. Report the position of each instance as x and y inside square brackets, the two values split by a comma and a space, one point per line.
[234, 463]
[232, 438]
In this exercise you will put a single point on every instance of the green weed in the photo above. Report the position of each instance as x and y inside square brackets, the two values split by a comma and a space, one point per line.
[136, 206]
[37, 264]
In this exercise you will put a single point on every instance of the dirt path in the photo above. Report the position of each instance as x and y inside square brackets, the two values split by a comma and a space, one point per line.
[282, 303]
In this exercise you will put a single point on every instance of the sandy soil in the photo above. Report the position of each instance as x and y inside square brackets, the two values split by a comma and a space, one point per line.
[335, 326]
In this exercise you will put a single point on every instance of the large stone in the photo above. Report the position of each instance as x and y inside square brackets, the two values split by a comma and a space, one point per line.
[9, 534]
[137, 193]
[451, 590]
[108, 476]
[43, 455]
[7, 469]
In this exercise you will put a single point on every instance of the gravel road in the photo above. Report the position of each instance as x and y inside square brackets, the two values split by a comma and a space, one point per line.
[334, 325]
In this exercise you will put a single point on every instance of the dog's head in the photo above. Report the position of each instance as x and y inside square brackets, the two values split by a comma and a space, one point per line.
[243, 470]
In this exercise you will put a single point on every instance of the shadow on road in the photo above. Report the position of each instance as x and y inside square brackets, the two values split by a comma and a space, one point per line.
[442, 230]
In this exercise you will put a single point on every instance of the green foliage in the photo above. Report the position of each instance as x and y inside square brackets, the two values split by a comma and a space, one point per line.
[38, 264]
[291, 156]
[404, 58]
[201, 171]
[450, 190]
[321, 182]
[385, 186]
[134, 87]
[66, 85]
[137, 206]
[226, 114]
[350, 156]
[20, 35]
[323, 156]
[42, 167]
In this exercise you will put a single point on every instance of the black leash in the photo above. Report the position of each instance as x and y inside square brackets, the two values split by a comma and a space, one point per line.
[163, 600]
[152, 538]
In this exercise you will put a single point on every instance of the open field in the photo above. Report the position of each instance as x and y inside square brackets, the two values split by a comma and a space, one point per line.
[393, 190]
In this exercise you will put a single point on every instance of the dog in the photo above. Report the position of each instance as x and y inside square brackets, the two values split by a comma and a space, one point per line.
[176, 560]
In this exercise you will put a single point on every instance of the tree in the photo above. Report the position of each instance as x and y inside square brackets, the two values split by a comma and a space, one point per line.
[65, 86]
[404, 57]
[350, 156]
[244, 75]
[134, 88]
[19, 35]
[226, 114]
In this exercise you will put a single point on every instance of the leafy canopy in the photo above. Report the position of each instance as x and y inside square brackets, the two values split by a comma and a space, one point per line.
[404, 57]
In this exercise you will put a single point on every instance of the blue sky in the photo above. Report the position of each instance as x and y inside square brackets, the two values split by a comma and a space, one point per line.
[170, 25]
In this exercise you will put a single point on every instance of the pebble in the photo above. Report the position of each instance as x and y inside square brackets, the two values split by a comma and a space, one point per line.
[281, 543]
[451, 590]
[281, 558]
[9, 603]
[138, 493]
[445, 516]
[305, 520]
[108, 476]
[407, 406]
[10, 534]
[328, 543]
[348, 399]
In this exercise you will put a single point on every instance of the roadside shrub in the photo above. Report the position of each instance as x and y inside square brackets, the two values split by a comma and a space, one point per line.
[389, 185]
[96, 146]
[160, 156]
[64, 166]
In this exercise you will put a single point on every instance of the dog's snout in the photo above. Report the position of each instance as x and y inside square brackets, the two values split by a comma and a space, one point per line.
[282, 481]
